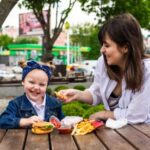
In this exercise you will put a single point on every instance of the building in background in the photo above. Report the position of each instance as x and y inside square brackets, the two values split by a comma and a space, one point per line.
[34, 51]
[10, 31]
[29, 25]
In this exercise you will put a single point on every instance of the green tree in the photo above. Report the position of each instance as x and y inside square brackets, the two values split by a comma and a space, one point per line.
[104, 9]
[49, 37]
[5, 40]
[86, 35]
[28, 40]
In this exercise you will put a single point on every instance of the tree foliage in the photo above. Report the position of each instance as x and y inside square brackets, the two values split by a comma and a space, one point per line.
[5, 40]
[104, 9]
[26, 40]
[86, 35]
[49, 37]
[80, 109]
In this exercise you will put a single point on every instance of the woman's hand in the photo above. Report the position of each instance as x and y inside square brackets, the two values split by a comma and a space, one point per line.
[71, 95]
[29, 121]
[102, 115]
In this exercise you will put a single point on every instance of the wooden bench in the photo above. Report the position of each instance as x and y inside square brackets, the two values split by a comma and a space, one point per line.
[127, 138]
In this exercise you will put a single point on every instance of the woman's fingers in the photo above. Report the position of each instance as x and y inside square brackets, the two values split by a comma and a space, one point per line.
[67, 95]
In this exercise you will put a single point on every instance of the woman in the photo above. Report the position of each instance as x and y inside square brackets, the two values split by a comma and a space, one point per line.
[122, 75]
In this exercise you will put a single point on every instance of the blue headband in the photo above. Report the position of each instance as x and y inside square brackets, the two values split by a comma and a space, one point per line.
[31, 65]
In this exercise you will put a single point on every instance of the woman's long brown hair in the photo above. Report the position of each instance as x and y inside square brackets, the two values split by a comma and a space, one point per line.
[124, 30]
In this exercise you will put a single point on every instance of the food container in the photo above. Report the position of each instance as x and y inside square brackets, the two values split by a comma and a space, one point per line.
[64, 130]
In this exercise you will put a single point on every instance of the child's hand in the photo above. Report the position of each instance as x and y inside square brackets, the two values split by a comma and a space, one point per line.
[34, 119]
[29, 121]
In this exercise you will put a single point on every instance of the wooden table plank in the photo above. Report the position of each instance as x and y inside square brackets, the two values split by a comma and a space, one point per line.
[113, 140]
[62, 141]
[135, 137]
[37, 142]
[89, 142]
[13, 140]
[2, 133]
[126, 138]
[145, 128]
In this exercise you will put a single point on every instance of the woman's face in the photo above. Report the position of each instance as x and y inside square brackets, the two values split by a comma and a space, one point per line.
[114, 54]
[35, 85]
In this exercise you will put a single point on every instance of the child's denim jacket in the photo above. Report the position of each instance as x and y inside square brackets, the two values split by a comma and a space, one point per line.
[20, 107]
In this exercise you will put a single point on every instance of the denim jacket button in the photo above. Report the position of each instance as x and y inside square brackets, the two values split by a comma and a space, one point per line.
[26, 115]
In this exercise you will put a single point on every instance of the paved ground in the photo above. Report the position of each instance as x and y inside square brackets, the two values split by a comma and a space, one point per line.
[4, 103]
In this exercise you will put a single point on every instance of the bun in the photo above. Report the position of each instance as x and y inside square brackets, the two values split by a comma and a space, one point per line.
[42, 127]
[22, 63]
[49, 64]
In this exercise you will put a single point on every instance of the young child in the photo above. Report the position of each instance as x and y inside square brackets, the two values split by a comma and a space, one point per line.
[34, 105]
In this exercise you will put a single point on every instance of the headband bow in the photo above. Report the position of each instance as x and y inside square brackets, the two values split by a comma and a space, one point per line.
[31, 65]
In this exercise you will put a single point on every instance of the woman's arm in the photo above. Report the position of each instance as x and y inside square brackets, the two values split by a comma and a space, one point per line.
[102, 115]
[73, 94]
[91, 95]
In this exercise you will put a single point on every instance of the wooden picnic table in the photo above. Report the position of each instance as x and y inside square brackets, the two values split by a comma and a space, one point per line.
[127, 138]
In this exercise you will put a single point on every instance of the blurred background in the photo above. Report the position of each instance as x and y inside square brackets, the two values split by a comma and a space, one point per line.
[63, 33]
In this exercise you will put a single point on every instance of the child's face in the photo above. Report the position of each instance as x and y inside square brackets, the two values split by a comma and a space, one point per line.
[35, 85]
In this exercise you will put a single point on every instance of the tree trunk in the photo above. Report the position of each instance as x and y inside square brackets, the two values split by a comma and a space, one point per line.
[47, 49]
[5, 7]
[48, 43]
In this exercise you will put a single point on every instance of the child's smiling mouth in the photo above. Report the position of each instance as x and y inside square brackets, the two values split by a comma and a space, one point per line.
[34, 93]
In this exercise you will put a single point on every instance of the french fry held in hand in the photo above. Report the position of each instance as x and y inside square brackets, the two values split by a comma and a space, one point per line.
[61, 96]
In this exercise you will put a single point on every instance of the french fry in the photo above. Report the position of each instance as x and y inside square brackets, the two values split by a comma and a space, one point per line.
[61, 96]
[74, 130]
[83, 128]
